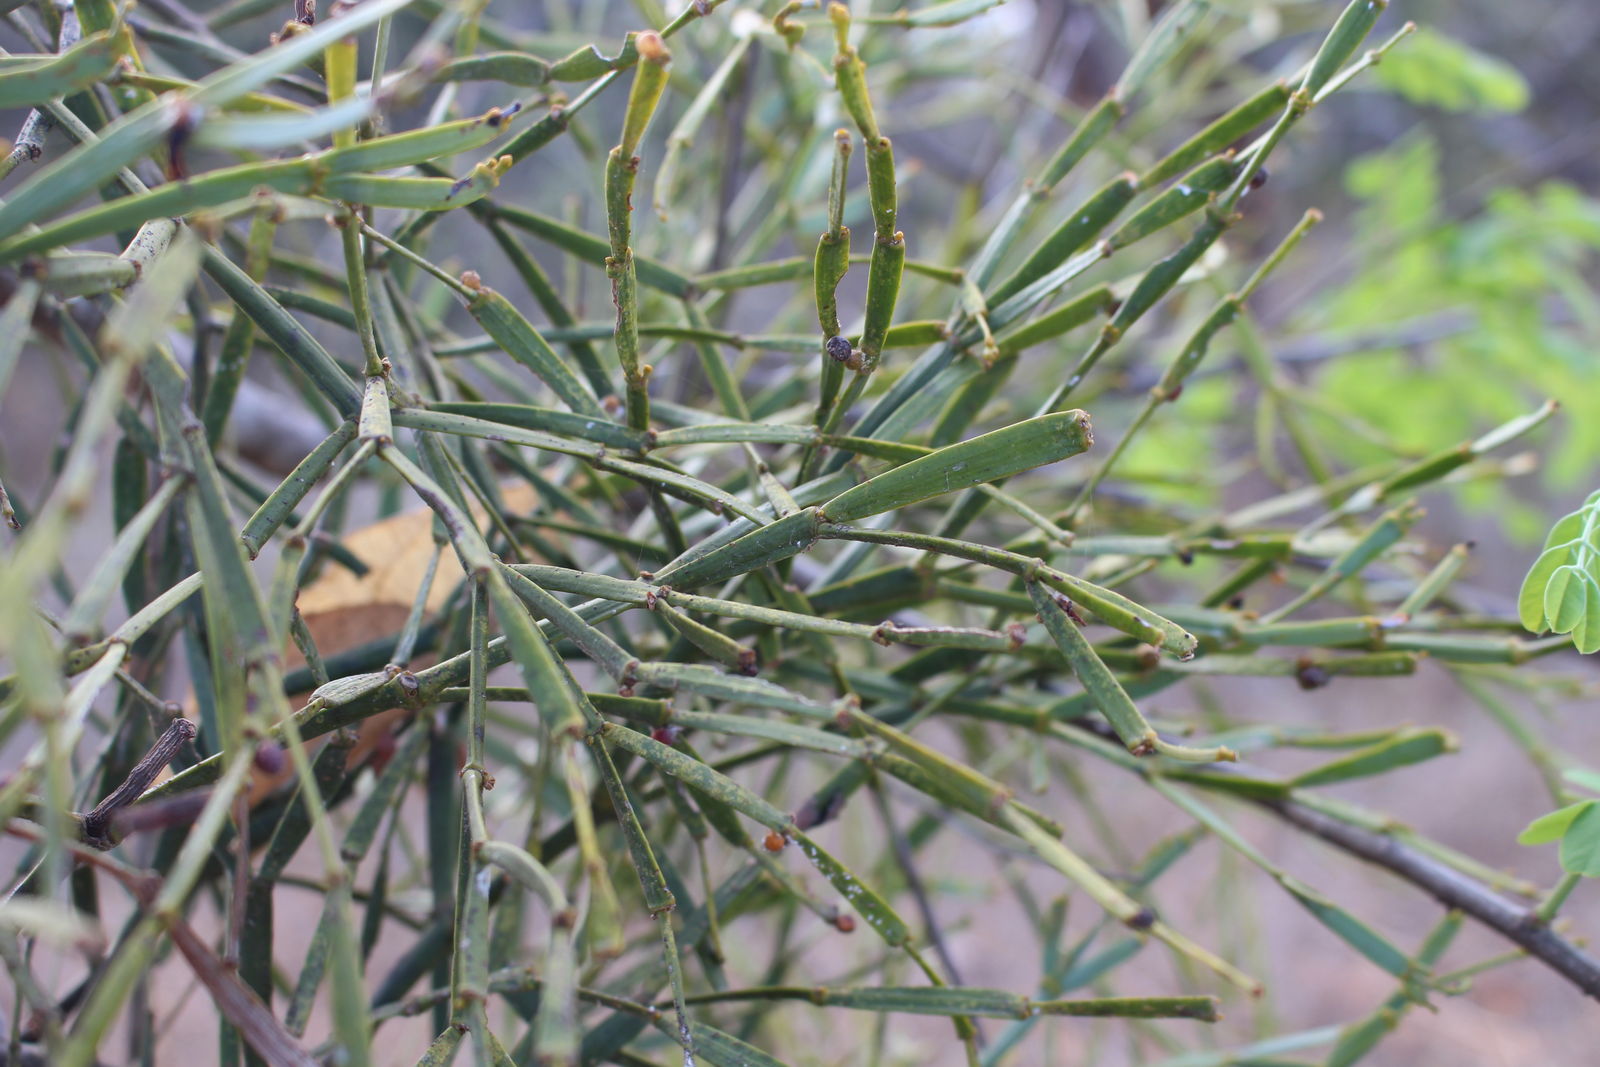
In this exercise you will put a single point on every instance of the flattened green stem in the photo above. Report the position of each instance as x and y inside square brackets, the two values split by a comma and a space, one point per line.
[966, 1000]
[682, 136]
[239, 340]
[803, 268]
[883, 287]
[1152, 286]
[1339, 921]
[376, 424]
[1155, 283]
[605, 652]
[888, 249]
[1436, 466]
[1104, 689]
[713, 643]
[517, 337]
[1190, 356]
[988, 457]
[1438, 579]
[283, 330]
[1117, 903]
[640, 593]
[831, 263]
[1219, 135]
[355, 269]
[29, 80]
[1100, 120]
[83, 618]
[141, 131]
[993, 455]
[281, 502]
[563, 705]
[622, 166]
[137, 625]
[658, 898]
[529, 873]
[1108, 606]
[852, 76]
[596, 250]
[469, 968]
[352, 1025]
[1165, 39]
[15, 323]
[554, 307]
[1383, 533]
[1371, 58]
[863, 898]
[1070, 237]
[1352, 27]
[306, 176]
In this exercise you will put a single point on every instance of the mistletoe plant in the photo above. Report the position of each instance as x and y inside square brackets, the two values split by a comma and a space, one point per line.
[790, 596]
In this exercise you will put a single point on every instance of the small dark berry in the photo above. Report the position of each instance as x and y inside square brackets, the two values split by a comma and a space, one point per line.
[269, 758]
[1311, 675]
[838, 348]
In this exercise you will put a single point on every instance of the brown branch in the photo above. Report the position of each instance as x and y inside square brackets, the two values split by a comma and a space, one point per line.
[237, 1002]
[1452, 889]
[1445, 884]
[97, 823]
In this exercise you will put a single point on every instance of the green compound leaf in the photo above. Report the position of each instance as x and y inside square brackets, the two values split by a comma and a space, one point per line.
[1437, 71]
[1551, 827]
[1567, 600]
[1580, 845]
[1562, 590]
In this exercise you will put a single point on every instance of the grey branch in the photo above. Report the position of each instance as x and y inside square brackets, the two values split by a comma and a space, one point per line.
[1452, 889]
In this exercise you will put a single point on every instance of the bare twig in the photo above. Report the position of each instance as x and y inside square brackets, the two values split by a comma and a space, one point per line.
[97, 823]
[1452, 889]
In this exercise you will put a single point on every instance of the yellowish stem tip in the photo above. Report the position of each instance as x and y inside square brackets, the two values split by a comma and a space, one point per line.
[651, 48]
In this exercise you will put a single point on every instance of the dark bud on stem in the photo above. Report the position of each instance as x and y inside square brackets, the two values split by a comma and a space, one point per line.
[818, 810]
[269, 757]
[185, 122]
[1259, 178]
[1311, 675]
[748, 664]
[838, 348]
